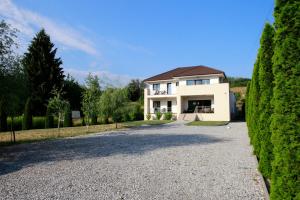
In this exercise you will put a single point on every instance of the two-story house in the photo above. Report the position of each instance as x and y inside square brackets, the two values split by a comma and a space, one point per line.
[190, 93]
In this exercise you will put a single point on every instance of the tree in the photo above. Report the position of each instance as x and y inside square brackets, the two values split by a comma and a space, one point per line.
[112, 103]
[265, 80]
[285, 125]
[10, 73]
[253, 100]
[118, 100]
[104, 104]
[43, 70]
[134, 90]
[58, 106]
[90, 98]
[73, 92]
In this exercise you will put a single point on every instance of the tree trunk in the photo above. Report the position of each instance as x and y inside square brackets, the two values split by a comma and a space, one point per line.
[116, 125]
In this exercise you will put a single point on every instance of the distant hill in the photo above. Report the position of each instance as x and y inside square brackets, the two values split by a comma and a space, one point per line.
[238, 81]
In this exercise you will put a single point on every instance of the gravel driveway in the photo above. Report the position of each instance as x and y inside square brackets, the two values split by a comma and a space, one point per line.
[171, 161]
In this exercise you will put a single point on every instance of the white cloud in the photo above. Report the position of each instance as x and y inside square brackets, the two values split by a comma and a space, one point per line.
[28, 22]
[106, 78]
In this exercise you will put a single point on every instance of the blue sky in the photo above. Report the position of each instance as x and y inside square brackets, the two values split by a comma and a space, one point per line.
[119, 40]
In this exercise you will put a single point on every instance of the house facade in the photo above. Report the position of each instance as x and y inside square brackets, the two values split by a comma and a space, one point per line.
[190, 93]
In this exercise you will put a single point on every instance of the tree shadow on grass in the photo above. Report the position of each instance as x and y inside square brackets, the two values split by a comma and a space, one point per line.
[14, 158]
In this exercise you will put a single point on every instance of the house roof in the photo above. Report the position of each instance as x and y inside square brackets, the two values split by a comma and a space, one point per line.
[185, 71]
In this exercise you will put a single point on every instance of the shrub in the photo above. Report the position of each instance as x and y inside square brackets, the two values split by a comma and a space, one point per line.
[49, 121]
[27, 119]
[38, 122]
[158, 115]
[148, 116]
[68, 117]
[168, 116]
[17, 123]
[83, 122]
[135, 112]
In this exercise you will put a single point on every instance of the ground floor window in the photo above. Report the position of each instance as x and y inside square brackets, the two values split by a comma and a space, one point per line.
[156, 106]
[169, 106]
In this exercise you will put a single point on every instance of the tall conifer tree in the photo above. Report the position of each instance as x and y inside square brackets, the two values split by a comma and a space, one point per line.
[43, 70]
[265, 80]
[285, 126]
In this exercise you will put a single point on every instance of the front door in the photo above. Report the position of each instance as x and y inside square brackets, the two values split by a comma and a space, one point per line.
[169, 106]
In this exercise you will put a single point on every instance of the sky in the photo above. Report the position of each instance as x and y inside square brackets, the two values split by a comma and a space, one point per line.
[119, 40]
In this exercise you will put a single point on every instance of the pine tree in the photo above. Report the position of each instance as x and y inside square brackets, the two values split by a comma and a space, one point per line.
[265, 79]
[285, 125]
[43, 70]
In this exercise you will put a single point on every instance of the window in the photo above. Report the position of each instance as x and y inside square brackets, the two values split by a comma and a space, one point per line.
[156, 106]
[205, 81]
[169, 106]
[156, 87]
[190, 82]
[169, 88]
[198, 82]
[177, 83]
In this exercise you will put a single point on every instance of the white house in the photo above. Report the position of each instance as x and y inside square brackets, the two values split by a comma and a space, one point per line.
[190, 93]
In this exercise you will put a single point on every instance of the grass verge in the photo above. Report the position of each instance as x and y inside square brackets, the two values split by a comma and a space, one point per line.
[143, 123]
[35, 135]
[207, 123]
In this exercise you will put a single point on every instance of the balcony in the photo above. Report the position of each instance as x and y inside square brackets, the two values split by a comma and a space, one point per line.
[160, 92]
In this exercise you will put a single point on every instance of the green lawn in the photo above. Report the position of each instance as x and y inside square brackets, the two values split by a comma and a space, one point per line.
[149, 122]
[27, 136]
[207, 123]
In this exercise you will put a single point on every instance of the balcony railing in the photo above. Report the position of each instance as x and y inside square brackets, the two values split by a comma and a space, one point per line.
[161, 92]
[200, 109]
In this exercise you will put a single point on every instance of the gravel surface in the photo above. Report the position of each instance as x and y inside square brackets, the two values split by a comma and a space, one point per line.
[170, 161]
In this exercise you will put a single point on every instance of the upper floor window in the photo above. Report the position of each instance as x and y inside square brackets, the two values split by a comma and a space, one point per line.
[156, 87]
[205, 81]
[190, 82]
[198, 82]
[177, 83]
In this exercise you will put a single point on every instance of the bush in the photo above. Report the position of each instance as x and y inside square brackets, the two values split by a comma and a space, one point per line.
[136, 113]
[49, 121]
[83, 122]
[168, 116]
[38, 122]
[27, 119]
[68, 117]
[148, 116]
[158, 115]
[17, 123]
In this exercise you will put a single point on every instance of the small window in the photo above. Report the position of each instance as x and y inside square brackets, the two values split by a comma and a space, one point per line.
[190, 82]
[177, 83]
[156, 87]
